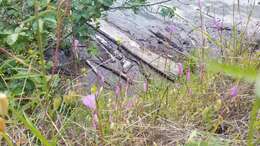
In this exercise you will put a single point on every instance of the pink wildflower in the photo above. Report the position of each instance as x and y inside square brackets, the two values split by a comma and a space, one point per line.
[234, 91]
[90, 101]
[180, 69]
[188, 74]
[145, 86]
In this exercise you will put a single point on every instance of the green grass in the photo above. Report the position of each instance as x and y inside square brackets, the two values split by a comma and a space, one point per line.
[167, 114]
[45, 109]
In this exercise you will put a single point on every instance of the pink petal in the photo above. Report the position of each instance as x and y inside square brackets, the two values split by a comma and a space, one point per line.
[234, 91]
[188, 74]
[145, 86]
[90, 101]
[180, 69]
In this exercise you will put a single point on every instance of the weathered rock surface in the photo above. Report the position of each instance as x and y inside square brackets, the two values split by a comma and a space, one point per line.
[169, 38]
[186, 33]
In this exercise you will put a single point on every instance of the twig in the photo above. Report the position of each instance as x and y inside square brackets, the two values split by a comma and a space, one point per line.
[120, 74]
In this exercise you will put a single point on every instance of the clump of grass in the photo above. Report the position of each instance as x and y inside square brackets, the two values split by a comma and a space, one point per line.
[200, 107]
[163, 113]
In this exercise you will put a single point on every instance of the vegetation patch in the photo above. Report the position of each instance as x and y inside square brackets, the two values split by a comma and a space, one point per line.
[210, 102]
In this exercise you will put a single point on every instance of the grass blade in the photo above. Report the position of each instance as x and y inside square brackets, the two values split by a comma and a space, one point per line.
[31, 127]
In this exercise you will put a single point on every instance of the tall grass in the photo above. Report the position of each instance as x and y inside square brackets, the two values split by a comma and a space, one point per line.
[198, 109]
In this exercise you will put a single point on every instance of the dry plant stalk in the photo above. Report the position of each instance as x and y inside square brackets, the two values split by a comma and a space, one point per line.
[63, 10]
[3, 110]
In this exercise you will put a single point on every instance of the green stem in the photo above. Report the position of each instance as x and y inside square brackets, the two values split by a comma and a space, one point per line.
[253, 116]
[7, 138]
[40, 44]
[100, 125]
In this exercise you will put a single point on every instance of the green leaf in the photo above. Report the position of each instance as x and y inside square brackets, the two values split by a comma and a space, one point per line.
[248, 73]
[4, 135]
[106, 3]
[51, 20]
[12, 38]
[167, 11]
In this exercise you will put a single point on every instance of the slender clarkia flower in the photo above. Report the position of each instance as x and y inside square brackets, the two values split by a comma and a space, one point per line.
[90, 101]
[180, 69]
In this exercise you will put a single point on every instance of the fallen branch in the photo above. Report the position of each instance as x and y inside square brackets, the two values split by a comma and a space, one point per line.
[118, 73]
[164, 66]
[167, 42]
[94, 69]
